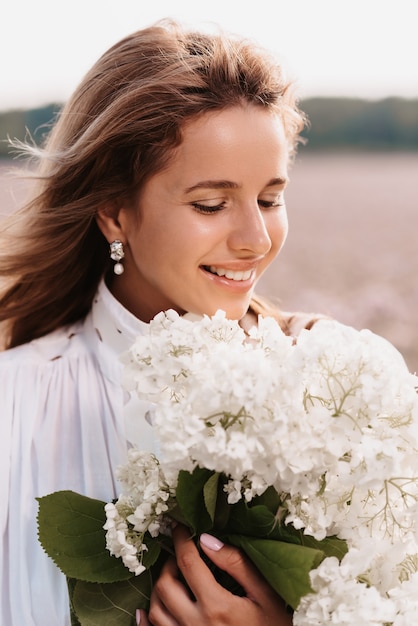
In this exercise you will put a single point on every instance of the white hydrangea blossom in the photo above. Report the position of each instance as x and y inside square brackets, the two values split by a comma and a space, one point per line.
[405, 597]
[329, 420]
[246, 408]
[343, 596]
[145, 499]
[341, 599]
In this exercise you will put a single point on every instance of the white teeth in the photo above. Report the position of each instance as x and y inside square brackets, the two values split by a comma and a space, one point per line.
[230, 273]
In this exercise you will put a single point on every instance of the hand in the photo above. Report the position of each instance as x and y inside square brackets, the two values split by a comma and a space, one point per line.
[171, 604]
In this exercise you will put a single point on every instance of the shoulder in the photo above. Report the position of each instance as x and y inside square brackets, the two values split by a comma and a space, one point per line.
[291, 323]
[59, 344]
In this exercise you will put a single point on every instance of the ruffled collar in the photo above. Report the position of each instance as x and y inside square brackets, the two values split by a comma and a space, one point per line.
[114, 330]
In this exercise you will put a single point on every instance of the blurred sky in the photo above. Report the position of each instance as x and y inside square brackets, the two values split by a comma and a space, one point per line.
[360, 48]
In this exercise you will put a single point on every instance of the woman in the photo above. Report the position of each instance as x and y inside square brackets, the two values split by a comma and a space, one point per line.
[160, 186]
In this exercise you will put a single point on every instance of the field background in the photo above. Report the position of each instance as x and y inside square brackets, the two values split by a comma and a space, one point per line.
[352, 249]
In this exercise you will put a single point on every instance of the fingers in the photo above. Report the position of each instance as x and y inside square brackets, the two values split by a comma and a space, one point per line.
[170, 599]
[186, 591]
[258, 591]
[172, 605]
[232, 561]
[159, 613]
[142, 618]
[194, 570]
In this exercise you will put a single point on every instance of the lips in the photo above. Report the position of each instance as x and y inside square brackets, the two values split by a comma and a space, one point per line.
[238, 275]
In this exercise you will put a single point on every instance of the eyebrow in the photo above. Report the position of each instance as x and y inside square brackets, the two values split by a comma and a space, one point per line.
[228, 184]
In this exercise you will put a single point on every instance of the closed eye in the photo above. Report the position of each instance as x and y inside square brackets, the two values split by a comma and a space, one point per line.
[269, 204]
[206, 208]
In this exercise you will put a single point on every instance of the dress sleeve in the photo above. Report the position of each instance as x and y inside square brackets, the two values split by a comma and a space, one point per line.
[6, 412]
[26, 575]
[60, 429]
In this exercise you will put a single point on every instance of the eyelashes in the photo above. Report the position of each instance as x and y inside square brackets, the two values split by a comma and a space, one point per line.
[208, 209]
[266, 204]
[205, 208]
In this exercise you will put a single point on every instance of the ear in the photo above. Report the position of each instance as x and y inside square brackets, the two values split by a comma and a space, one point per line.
[107, 219]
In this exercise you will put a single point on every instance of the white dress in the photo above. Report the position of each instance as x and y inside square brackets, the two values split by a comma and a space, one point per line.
[63, 416]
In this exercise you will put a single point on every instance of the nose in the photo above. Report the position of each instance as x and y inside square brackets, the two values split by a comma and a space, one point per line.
[249, 232]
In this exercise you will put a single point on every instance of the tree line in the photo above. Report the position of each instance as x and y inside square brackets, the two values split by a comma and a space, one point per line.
[388, 124]
[334, 123]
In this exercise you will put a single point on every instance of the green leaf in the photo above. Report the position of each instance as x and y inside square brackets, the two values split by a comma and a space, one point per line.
[257, 521]
[270, 498]
[330, 546]
[71, 583]
[150, 556]
[190, 499]
[113, 604]
[216, 501]
[71, 532]
[285, 566]
[210, 494]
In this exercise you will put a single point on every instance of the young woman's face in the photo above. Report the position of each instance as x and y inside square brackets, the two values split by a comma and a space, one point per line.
[207, 227]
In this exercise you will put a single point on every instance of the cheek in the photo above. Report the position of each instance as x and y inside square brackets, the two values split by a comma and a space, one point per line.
[150, 236]
[278, 229]
[160, 245]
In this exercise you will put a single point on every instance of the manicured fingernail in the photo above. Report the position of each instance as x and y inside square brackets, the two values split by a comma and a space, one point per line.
[138, 616]
[211, 542]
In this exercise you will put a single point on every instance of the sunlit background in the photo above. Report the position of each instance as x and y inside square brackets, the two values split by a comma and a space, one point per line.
[333, 47]
[353, 205]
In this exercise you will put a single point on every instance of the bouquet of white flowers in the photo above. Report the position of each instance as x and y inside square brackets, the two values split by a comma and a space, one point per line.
[302, 453]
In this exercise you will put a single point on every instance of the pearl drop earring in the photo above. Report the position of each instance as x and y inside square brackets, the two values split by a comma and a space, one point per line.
[116, 254]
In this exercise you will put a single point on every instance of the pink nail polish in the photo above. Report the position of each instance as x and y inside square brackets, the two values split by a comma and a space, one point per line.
[138, 616]
[211, 542]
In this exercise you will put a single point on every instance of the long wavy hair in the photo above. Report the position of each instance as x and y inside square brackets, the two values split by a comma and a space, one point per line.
[118, 129]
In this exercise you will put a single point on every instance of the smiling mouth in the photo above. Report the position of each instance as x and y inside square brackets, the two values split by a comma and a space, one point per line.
[239, 275]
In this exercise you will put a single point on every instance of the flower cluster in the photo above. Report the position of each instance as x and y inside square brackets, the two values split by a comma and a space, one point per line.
[145, 500]
[341, 595]
[330, 422]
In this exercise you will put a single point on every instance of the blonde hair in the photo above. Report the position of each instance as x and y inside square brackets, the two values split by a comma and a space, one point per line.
[118, 129]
